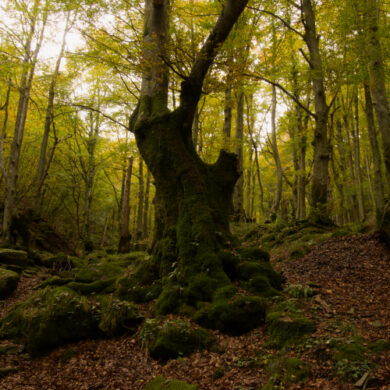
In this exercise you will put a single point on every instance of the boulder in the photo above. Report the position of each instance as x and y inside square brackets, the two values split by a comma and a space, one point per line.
[8, 282]
[13, 257]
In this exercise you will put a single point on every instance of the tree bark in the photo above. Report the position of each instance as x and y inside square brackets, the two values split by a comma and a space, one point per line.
[378, 81]
[238, 198]
[140, 208]
[320, 178]
[29, 63]
[193, 199]
[376, 155]
[125, 236]
[356, 149]
[40, 175]
[145, 227]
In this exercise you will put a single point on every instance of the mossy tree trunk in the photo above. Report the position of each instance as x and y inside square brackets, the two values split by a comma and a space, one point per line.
[193, 199]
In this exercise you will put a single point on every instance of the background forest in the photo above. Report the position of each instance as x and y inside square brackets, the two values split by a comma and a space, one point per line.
[70, 77]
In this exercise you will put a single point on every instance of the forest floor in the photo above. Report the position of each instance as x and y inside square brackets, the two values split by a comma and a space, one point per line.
[351, 276]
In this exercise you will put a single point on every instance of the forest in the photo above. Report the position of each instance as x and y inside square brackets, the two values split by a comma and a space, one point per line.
[195, 194]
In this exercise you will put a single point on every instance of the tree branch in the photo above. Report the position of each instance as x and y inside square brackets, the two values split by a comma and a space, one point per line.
[286, 24]
[192, 87]
[289, 94]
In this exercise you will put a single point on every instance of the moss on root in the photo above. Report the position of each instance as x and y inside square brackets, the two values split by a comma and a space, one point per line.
[235, 316]
[171, 339]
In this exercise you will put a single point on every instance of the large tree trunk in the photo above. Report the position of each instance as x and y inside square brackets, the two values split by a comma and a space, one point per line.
[319, 187]
[378, 81]
[193, 199]
[376, 155]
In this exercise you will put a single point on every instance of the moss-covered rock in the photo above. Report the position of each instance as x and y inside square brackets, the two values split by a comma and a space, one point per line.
[13, 257]
[250, 269]
[98, 271]
[49, 318]
[287, 328]
[117, 316]
[235, 316]
[171, 339]
[96, 287]
[8, 282]
[60, 261]
[169, 300]
[159, 383]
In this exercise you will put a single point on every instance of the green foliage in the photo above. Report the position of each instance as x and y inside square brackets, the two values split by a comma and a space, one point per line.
[300, 291]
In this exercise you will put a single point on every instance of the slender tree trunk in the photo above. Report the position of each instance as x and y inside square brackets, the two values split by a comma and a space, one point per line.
[376, 155]
[356, 149]
[89, 181]
[145, 227]
[125, 237]
[275, 152]
[249, 104]
[4, 131]
[140, 210]
[238, 199]
[227, 123]
[40, 175]
[29, 63]
[320, 178]
[354, 209]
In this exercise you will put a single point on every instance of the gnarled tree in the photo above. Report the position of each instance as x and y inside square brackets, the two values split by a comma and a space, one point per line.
[193, 199]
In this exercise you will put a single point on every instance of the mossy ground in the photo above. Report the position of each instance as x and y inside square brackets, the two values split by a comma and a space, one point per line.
[160, 383]
[8, 282]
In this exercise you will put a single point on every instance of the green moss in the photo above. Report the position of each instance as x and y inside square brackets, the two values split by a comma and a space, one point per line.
[224, 293]
[55, 281]
[49, 318]
[8, 349]
[235, 317]
[98, 286]
[8, 282]
[261, 286]
[250, 269]
[296, 371]
[98, 271]
[117, 316]
[380, 346]
[253, 254]
[169, 300]
[58, 262]
[159, 383]
[287, 328]
[230, 264]
[171, 339]
[128, 289]
[200, 288]
[13, 257]
[350, 358]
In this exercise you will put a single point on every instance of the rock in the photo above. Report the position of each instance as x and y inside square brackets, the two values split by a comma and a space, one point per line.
[13, 257]
[8, 282]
